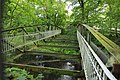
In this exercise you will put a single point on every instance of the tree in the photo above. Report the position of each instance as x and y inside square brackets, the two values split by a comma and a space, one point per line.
[29, 12]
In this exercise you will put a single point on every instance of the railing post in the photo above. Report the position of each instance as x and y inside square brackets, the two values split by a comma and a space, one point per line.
[41, 28]
[85, 33]
[82, 30]
[88, 37]
[50, 28]
[24, 40]
[54, 28]
[44, 28]
[37, 36]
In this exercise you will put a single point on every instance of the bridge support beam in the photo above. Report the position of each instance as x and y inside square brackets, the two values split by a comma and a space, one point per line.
[66, 47]
[61, 55]
[41, 69]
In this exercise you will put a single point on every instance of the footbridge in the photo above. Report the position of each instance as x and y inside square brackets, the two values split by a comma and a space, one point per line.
[94, 56]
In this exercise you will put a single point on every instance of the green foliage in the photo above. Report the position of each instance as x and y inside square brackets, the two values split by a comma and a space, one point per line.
[21, 74]
[29, 12]
[99, 13]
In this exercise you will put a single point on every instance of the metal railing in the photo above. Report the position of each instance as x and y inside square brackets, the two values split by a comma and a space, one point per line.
[112, 49]
[94, 68]
[24, 38]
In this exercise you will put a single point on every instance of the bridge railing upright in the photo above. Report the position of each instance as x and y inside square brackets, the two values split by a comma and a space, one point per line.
[93, 58]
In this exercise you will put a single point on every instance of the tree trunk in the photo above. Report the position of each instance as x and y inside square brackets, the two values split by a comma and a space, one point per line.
[116, 32]
[1, 53]
[81, 2]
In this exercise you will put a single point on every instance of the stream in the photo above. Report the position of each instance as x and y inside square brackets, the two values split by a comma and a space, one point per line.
[67, 66]
[62, 65]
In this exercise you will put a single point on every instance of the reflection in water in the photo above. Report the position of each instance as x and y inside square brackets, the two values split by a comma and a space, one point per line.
[67, 66]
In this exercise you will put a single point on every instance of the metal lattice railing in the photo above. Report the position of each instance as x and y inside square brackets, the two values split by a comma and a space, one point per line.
[94, 68]
[11, 42]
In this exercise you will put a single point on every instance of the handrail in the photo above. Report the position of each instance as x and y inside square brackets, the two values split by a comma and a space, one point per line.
[29, 26]
[37, 36]
[112, 48]
[94, 68]
[33, 34]
[100, 36]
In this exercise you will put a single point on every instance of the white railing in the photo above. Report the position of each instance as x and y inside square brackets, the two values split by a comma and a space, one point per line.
[12, 42]
[94, 68]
